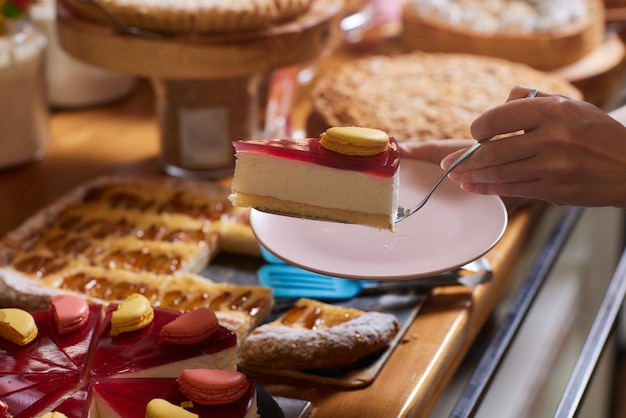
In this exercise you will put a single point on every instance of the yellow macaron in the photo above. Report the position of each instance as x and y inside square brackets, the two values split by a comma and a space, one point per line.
[132, 314]
[53, 414]
[17, 326]
[160, 408]
[355, 140]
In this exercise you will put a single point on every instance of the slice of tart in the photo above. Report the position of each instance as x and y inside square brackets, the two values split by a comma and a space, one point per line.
[142, 353]
[314, 335]
[124, 399]
[348, 175]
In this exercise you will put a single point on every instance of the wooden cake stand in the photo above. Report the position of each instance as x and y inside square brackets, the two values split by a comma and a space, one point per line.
[599, 75]
[206, 86]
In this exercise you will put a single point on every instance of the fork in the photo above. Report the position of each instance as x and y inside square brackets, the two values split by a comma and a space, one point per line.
[403, 213]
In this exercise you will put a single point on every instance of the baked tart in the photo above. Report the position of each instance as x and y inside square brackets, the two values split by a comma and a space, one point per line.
[316, 335]
[543, 34]
[420, 95]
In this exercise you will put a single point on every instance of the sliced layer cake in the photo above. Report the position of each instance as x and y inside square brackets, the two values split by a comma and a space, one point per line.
[348, 175]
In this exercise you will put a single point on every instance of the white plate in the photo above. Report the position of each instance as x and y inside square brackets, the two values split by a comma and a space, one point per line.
[452, 229]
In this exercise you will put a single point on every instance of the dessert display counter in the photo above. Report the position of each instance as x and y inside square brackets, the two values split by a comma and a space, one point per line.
[122, 139]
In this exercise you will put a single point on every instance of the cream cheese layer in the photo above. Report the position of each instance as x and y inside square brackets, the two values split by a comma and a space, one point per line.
[265, 175]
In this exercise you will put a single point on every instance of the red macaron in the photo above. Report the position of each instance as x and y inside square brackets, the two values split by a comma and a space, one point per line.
[191, 327]
[70, 312]
[212, 386]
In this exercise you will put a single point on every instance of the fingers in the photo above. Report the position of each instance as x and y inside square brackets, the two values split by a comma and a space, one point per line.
[521, 92]
[568, 152]
[510, 117]
[434, 150]
[517, 171]
[496, 154]
[541, 189]
[527, 189]
[519, 113]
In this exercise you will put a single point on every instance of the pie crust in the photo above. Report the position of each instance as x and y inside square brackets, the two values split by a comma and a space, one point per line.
[192, 16]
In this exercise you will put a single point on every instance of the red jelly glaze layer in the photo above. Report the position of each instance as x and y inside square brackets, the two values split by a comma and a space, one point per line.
[55, 367]
[12, 363]
[127, 395]
[309, 150]
[31, 401]
[74, 345]
[142, 349]
[77, 403]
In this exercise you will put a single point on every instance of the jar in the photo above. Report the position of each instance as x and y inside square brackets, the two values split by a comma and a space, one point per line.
[72, 83]
[24, 130]
[199, 119]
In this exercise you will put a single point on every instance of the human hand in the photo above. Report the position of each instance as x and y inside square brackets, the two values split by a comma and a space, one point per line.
[432, 150]
[570, 152]
[435, 150]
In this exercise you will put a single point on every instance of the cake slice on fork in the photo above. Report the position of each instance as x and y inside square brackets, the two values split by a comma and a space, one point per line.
[348, 175]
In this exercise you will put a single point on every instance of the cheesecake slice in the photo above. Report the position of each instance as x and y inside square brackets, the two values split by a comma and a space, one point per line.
[115, 399]
[143, 354]
[348, 175]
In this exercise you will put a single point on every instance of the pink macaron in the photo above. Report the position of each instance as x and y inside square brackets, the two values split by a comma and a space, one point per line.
[191, 327]
[212, 386]
[70, 312]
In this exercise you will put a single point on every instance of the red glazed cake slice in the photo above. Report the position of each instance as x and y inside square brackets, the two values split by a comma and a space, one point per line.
[74, 345]
[41, 396]
[349, 181]
[16, 364]
[142, 353]
[121, 399]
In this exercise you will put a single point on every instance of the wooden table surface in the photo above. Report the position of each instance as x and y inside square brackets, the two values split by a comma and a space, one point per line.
[122, 138]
